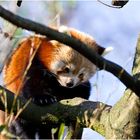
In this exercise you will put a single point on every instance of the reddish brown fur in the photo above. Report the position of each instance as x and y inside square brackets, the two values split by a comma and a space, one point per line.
[16, 66]
[45, 53]
[14, 69]
[87, 39]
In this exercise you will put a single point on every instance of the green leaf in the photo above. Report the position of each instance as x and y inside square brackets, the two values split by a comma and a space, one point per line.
[61, 131]
[2, 127]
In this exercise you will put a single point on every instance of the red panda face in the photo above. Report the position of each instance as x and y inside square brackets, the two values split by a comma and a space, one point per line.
[69, 66]
[70, 75]
[68, 78]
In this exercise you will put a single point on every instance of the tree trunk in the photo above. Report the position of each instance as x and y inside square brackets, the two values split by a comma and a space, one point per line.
[123, 120]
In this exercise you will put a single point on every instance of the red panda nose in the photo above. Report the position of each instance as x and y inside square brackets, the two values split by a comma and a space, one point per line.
[70, 84]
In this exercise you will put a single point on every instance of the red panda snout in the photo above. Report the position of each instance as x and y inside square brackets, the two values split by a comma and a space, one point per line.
[68, 81]
[70, 75]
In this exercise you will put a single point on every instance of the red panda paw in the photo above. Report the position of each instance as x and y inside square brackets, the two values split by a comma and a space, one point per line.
[43, 100]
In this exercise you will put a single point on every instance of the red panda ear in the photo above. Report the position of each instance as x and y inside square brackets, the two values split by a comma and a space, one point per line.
[100, 50]
[105, 51]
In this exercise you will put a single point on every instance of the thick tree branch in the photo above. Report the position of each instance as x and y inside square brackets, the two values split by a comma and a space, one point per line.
[88, 114]
[102, 63]
[123, 121]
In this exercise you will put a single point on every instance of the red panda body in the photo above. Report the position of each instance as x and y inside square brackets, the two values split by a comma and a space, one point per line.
[42, 82]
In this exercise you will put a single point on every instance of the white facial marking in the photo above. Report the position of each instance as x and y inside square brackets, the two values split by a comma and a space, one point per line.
[64, 29]
[69, 75]
[56, 66]
[70, 79]
[67, 81]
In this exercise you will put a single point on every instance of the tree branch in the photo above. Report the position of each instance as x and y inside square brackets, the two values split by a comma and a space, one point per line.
[88, 114]
[102, 63]
[123, 121]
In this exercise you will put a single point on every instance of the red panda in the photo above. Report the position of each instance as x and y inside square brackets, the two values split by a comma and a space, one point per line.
[56, 72]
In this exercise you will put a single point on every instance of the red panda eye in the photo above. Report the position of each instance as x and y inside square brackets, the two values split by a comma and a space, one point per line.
[63, 71]
[81, 76]
[66, 70]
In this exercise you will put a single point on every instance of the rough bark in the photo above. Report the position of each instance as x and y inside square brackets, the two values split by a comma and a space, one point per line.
[89, 114]
[123, 119]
